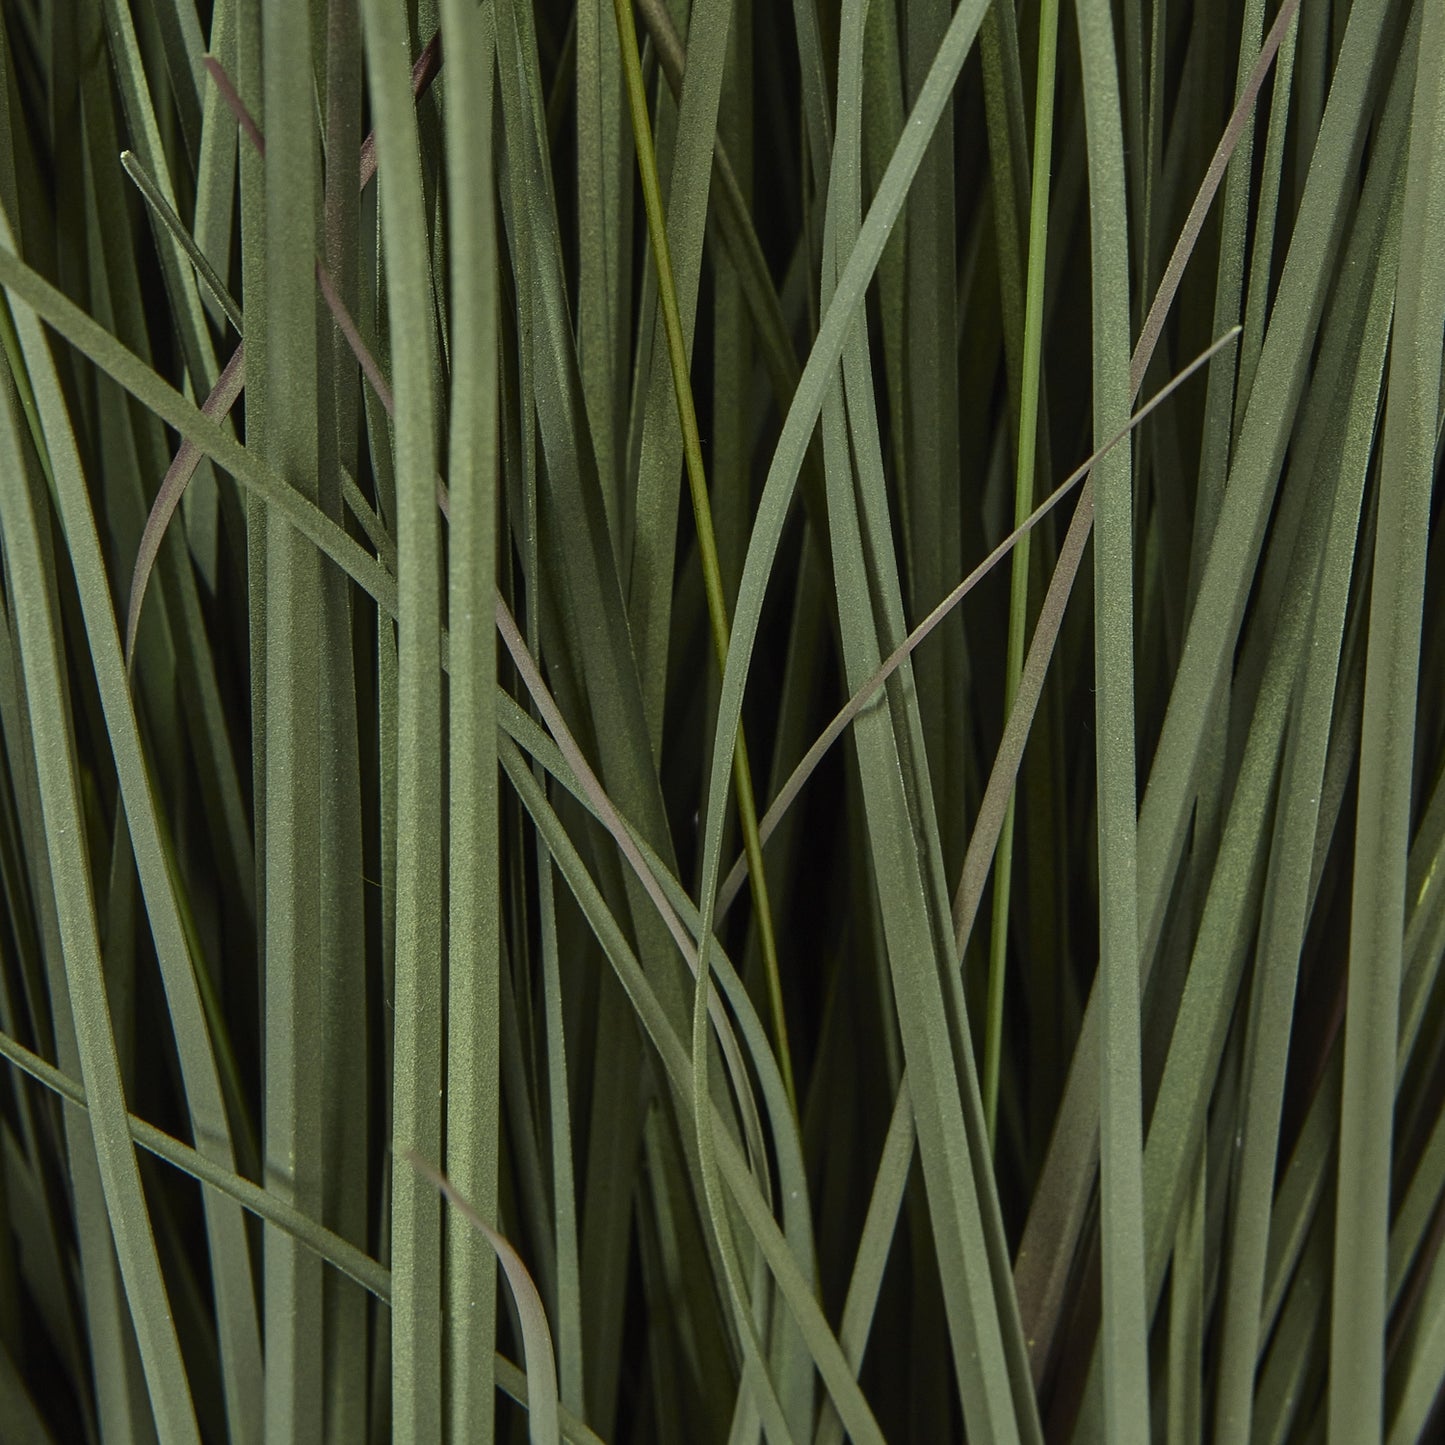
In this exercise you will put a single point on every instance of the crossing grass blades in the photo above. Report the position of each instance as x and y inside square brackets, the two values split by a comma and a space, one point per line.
[722, 721]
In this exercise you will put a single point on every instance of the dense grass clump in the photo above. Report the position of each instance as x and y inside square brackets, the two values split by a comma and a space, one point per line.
[722, 721]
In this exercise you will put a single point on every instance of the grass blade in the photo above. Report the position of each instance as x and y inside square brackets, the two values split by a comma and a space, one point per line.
[416, 1245]
[1126, 1376]
[1386, 748]
[473, 1049]
[31, 600]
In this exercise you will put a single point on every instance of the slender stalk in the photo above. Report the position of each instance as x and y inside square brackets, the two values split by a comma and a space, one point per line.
[473, 1050]
[702, 512]
[1023, 504]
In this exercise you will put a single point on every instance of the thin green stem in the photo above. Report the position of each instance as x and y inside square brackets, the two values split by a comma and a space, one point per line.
[702, 513]
[166, 214]
[1023, 504]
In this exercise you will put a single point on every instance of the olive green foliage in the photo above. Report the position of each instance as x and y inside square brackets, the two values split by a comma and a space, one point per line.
[722, 721]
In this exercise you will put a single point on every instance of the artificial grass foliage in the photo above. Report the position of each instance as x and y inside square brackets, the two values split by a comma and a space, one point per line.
[514, 1050]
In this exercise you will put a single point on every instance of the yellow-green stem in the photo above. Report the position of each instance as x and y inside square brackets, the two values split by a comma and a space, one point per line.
[1023, 504]
[702, 513]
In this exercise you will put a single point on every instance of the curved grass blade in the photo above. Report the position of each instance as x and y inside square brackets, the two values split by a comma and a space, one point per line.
[679, 350]
[540, 1361]
[906, 849]
[216, 407]
[803, 414]
[736, 1172]
[340, 1253]
[125, 368]
[792, 1178]
[808, 764]
[565, 763]
[607, 813]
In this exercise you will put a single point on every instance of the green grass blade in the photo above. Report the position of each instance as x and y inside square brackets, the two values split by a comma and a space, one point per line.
[164, 212]
[1028, 429]
[1186, 1319]
[1047, 1250]
[1262, 248]
[323, 919]
[935, 506]
[181, 969]
[472, 1078]
[1426, 1364]
[1285, 915]
[147, 142]
[1126, 1376]
[804, 412]
[294, 863]
[665, 439]
[173, 486]
[56, 770]
[143, 383]
[603, 194]
[215, 214]
[347, 1059]
[987, 1345]
[1228, 299]
[1386, 747]
[1254, 470]
[537, 1338]
[734, 1170]
[650, 507]
[416, 1243]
